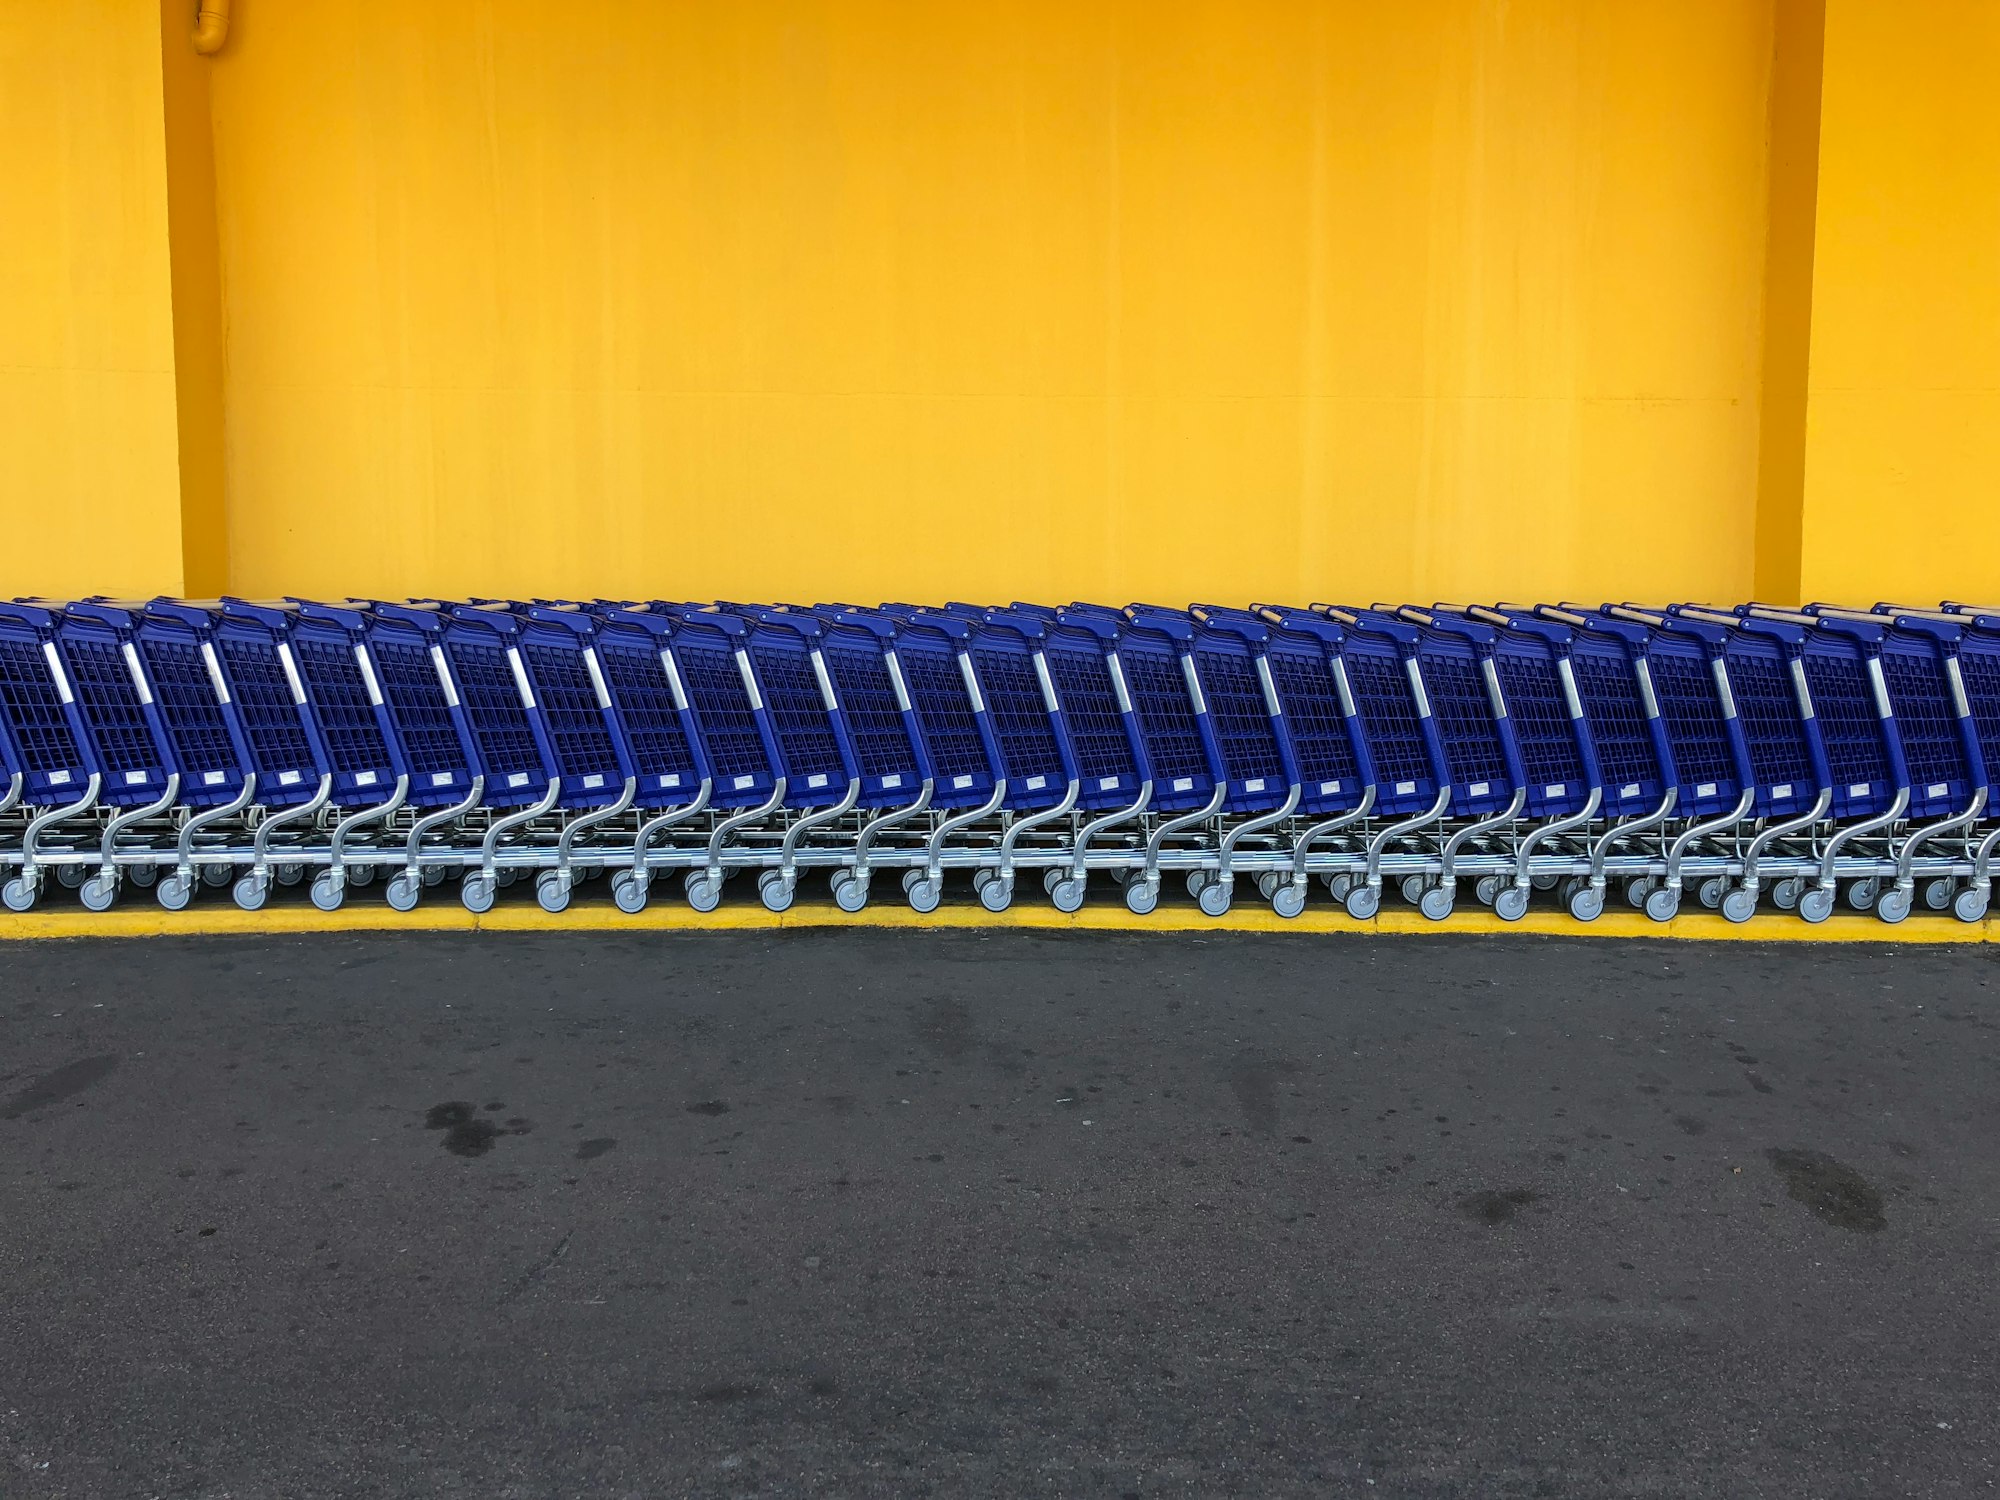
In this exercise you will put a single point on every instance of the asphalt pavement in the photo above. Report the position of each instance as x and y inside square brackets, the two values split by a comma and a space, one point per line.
[1008, 1213]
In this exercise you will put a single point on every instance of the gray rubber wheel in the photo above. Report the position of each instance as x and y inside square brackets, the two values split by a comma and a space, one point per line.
[1970, 904]
[850, 891]
[174, 893]
[1546, 882]
[1486, 889]
[1437, 902]
[1638, 889]
[925, 895]
[1216, 896]
[997, 894]
[1664, 903]
[1141, 896]
[143, 876]
[1893, 905]
[1785, 894]
[1511, 904]
[18, 895]
[1861, 895]
[1938, 894]
[552, 892]
[1362, 902]
[703, 893]
[1586, 903]
[476, 893]
[1816, 905]
[328, 893]
[1197, 881]
[1068, 895]
[1739, 905]
[289, 874]
[69, 877]
[98, 892]
[404, 891]
[215, 875]
[775, 891]
[252, 891]
[1288, 900]
[1711, 892]
[629, 892]
[1414, 886]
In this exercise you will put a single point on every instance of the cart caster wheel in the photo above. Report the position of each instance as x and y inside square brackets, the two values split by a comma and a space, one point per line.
[1546, 882]
[629, 892]
[1288, 900]
[98, 892]
[476, 893]
[1052, 877]
[252, 891]
[1141, 896]
[1437, 902]
[174, 892]
[1861, 895]
[925, 894]
[327, 892]
[1414, 887]
[1068, 895]
[404, 890]
[1216, 896]
[1937, 894]
[1511, 904]
[69, 877]
[1816, 905]
[19, 895]
[1785, 894]
[996, 894]
[775, 891]
[1739, 905]
[1197, 881]
[1662, 904]
[1337, 886]
[1893, 905]
[552, 892]
[360, 874]
[434, 875]
[1711, 892]
[143, 876]
[289, 874]
[1970, 904]
[216, 876]
[1638, 889]
[1586, 903]
[980, 878]
[911, 876]
[1267, 884]
[850, 893]
[506, 877]
[1362, 902]
[1486, 889]
[704, 892]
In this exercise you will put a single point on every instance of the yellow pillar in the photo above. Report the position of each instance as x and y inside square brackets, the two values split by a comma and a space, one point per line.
[1903, 425]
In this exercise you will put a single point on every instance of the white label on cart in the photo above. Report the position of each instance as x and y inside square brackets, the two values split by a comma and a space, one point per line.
[673, 780]
[291, 672]
[214, 671]
[1882, 705]
[56, 671]
[749, 682]
[135, 778]
[592, 782]
[1783, 790]
[1254, 784]
[518, 778]
[1492, 675]
[1646, 688]
[1557, 790]
[289, 778]
[1340, 683]
[892, 780]
[1805, 693]
[1569, 688]
[213, 778]
[1706, 789]
[743, 781]
[368, 675]
[896, 681]
[1406, 788]
[825, 682]
[1118, 684]
[673, 672]
[1631, 789]
[1193, 685]
[438, 778]
[1417, 687]
[1479, 789]
[1723, 690]
[444, 676]
[1328, 788]
[591, 665]
[1937, 789]
[960, 783]
[815, 782]
[1036, 783]
[520, 678]
[1183, 783]
[1048, 686]
[138, 673]
[1107, 783]
[1859, 789]
[971, 684]
[58, 778]
[366, 778]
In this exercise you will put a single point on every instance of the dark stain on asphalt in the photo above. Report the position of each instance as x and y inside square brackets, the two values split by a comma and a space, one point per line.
[729, 1392]
[1254, 1082]
[709, 1107]
[1831, 1190]
[595, 1147]
[465, 1134]
[1497, 1205]
[65, 1082]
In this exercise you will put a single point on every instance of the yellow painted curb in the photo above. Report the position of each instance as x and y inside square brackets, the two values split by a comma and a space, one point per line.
[140, 918]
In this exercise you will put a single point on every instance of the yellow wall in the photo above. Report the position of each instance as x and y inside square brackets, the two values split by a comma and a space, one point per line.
[1904, 416]
[88, 487]
[865, 299]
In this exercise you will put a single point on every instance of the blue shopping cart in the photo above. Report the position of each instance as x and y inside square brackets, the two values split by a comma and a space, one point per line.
[53, 774]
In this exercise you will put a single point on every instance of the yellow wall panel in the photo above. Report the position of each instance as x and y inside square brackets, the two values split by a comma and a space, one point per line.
[887, 299]
[1903, 420]
[89, 490]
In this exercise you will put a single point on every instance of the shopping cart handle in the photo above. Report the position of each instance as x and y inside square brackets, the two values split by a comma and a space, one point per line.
[1170, 623]
[428, 620]
[497, 620]
[779, 619]
[1101, 626]
[650, 621]
[1232, 622]
[184, 614]
[879, 626]
[28, 614]
[1027, 627]
[574, 620]
[270, 616]
[113, 615]
[1302, 622]
[696, 617]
